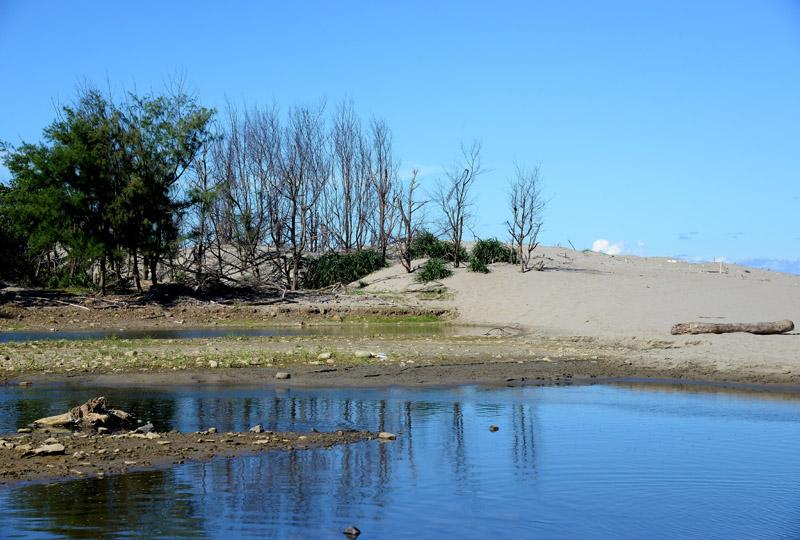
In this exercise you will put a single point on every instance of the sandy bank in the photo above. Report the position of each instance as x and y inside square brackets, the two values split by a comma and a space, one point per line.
[623, 299]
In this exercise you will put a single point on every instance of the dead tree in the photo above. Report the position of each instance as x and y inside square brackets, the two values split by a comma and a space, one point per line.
[454, 199]
[407, 207]
[348, 200]
[527, 206]
[382, 182]
[304, 173]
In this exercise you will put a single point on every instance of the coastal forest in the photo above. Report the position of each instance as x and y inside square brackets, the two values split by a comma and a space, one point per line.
[122, 194]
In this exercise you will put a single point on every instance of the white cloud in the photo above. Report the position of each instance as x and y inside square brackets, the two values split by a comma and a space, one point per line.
[602, 245]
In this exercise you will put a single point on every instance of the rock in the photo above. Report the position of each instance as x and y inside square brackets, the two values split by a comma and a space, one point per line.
[24, 383]
[213, 364]
[386, 436]
[51, 440]
[24, 430]
[24, 448]
[46, 450]
[146, 428]
[352, 531]
[282, 375]
[493, 428]
[102, 430]
[324, 356]
[258, 428]
[131, 353]
[362, 354]
[212, 430]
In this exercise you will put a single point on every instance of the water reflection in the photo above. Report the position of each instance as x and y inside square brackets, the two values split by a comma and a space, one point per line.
[107, 508]
[580, 462]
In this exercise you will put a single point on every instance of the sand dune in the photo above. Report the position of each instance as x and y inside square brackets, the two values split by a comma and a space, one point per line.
[625, 298]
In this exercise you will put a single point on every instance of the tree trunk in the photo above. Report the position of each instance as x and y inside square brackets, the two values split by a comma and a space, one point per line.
[153, 271]
[777, 327]
[103, 275]
[136, 277]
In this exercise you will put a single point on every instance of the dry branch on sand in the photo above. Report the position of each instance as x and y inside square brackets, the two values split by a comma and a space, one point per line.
[762, 328]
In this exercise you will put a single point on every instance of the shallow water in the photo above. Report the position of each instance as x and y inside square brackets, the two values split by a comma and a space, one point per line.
[568, 462]
[337, 330]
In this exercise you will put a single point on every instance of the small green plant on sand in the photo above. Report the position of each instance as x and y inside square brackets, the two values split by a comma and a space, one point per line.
[434, 269]
[476, 265]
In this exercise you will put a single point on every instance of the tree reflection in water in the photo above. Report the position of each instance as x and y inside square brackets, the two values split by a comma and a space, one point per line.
[443, 439]
[154, 504]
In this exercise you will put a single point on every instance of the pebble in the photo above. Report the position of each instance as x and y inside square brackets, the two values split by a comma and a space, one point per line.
[352, 531]
[24, 430]
[212, 430]
[282, 375]
[493, 428]
[362, 354]
[324, 356]
[146, 428]
[213, 364]
[386, 436]
[258, 428]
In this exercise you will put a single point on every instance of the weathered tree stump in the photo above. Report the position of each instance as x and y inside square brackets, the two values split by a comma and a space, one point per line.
[95, 413]
[762, 328]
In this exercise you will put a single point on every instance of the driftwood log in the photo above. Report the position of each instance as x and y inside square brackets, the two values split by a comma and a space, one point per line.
[95, 413]
[763, 328]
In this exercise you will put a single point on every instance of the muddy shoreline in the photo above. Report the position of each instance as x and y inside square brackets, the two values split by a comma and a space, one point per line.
[508, 373]
[392, 360]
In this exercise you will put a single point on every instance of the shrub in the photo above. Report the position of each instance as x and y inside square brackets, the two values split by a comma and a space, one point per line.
[425, 244]
[434, 269]
[341, 268]
[476, 265]
[492, 251]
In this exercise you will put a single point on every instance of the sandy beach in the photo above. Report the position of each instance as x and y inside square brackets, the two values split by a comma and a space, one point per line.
[587, 315]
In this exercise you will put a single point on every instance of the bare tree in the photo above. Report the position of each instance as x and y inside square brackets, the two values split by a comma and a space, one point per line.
[453, 196]
[527, 206]
[348, 200]
[382, 181]
[407, 207]
[303, 174]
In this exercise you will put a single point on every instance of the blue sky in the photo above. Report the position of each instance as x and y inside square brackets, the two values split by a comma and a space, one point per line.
[664, 128]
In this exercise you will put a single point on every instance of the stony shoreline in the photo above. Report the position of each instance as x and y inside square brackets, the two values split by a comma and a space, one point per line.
[375, 360]
[66, 455]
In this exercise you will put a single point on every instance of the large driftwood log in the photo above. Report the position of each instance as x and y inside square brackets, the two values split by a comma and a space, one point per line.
[777, 327]
[94, 413]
